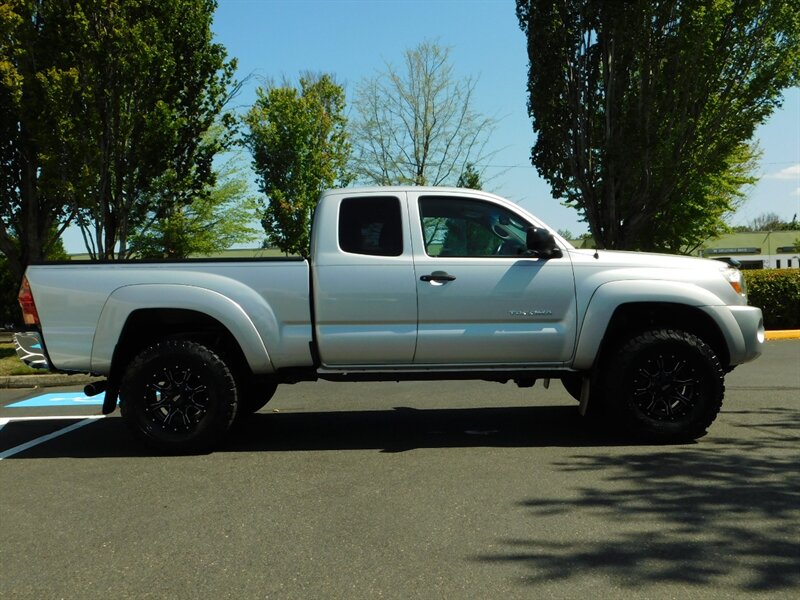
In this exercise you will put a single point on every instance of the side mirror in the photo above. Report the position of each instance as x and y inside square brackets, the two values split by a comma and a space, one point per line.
[542, 244]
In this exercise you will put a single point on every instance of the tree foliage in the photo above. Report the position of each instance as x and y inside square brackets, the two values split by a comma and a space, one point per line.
[300, 146]
[42, 147]
[470, 178]
[215, 220]
[103, 106]
[643, 111]
[768, 221]
[417, 125]
[152, 83]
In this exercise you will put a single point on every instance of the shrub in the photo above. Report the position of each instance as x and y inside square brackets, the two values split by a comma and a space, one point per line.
[9, 308]
[777, 293]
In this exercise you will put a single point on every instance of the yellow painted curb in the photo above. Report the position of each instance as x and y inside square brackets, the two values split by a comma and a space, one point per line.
[788, 334]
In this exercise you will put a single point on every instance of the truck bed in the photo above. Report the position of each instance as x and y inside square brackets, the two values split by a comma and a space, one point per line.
[80, 304]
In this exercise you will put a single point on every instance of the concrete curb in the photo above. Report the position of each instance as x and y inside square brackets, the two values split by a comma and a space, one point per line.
[43, 381]
[787, 334]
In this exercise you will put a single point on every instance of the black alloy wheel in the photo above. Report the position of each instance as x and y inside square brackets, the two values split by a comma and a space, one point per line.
[665, 386]
[178, 396]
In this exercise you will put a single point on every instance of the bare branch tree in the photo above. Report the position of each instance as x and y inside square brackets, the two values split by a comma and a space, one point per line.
[417, 125]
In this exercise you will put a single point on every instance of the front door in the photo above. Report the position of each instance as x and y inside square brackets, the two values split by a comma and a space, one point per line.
[481, 300]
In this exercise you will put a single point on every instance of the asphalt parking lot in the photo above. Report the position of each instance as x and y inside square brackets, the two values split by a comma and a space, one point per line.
[414, 490]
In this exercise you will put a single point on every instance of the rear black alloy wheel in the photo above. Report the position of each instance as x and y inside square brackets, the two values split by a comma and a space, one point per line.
[179, 396]
[665, 385]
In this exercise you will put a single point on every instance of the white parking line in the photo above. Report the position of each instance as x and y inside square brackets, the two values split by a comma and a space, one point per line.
[85, 420]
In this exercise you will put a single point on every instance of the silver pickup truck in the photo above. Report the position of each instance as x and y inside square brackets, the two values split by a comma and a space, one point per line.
[403, 283]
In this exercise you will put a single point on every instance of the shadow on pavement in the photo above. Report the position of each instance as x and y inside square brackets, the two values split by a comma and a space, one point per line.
[725, 512]
[397, 430]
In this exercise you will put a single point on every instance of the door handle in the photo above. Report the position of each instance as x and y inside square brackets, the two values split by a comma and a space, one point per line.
[439, 276]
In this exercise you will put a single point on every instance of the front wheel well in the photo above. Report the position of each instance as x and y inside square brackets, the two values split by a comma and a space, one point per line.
[632, 319]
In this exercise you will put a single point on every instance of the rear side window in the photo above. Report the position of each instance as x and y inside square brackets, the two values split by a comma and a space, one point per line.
[371, 226]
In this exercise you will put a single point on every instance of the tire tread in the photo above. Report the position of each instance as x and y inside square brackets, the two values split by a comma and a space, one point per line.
[226, 393]
[644, 427]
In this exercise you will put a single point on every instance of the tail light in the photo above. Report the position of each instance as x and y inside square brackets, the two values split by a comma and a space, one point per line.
[29, 314]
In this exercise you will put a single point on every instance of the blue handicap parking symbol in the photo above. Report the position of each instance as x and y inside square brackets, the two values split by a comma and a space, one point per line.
[59, 399]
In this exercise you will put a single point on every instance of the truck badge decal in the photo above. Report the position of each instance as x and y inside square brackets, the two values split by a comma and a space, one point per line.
[531, 313]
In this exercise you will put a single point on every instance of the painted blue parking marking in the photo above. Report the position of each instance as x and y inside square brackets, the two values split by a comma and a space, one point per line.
[62, 399]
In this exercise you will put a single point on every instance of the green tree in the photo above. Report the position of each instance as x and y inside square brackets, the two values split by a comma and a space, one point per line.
[41, 145]
[103, 105]
[643, 111]
[418, 125]
[715, 197]
[214, 221]
[152, 83]
[300, 147]
[470, 178]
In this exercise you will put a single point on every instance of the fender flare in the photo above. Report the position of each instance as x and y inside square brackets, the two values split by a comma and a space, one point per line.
[127, 299]
[608, 297]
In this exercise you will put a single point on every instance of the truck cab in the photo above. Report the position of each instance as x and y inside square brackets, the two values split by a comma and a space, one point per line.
[437, 279]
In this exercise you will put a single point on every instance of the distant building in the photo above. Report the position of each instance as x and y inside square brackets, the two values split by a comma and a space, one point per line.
[758, 249]
[753, 250]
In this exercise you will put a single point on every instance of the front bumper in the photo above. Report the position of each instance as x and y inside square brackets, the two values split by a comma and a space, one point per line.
[743, 330]
[30, 349]
[751, 324]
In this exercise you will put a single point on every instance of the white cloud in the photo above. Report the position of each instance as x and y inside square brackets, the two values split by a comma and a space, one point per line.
[792, 172]
[796, 192]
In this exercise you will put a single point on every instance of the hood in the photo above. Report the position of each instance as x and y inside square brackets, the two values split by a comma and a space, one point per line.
[617, 258]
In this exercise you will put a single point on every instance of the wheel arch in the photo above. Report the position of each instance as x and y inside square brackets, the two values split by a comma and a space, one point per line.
[631, 318]
[134, 316]
[637, 317]
[145, 327]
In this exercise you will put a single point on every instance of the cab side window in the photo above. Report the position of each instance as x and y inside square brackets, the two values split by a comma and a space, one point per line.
[460, 227]
[371, 226]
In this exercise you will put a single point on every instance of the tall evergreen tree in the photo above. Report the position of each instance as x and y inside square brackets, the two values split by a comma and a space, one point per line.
[644, 111]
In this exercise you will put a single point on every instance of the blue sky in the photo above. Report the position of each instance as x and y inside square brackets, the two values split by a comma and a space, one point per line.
[355, 38]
